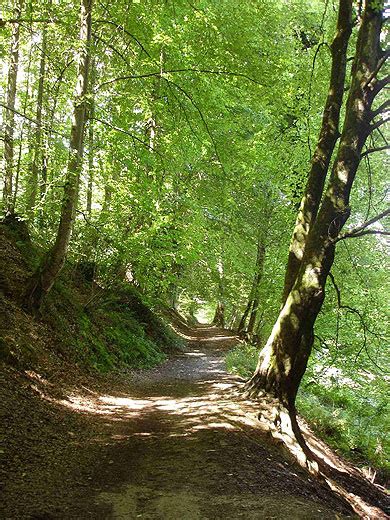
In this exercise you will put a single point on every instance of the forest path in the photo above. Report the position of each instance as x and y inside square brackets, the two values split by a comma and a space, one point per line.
[173, 443]
[180, 446]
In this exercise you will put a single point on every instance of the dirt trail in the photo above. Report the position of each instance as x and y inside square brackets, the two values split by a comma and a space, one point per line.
[176, 444]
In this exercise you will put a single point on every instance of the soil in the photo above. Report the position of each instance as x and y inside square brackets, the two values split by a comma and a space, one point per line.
[176, 442]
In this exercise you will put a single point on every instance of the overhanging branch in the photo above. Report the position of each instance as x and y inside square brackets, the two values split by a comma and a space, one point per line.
[125, 132]
[373, 150]
[379, 123]
[361, 230]
[173, 71]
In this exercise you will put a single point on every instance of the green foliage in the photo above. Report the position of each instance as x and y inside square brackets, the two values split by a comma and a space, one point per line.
[350, 413]
[351, 419]
[120, 330]
[234, 92]
[242, 360]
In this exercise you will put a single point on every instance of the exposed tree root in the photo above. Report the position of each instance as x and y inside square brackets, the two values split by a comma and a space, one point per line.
[342, 478]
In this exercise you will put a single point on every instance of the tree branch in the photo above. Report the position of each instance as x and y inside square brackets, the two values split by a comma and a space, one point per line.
[372, 150]
[26, 20]
[173, 71]
[121, 28]
[359, 230]
[368, 232]
[379, 85]
[122, 131]
[189, 97]
[380, 109]
[379, 123]
[380, 63]
[45, 127]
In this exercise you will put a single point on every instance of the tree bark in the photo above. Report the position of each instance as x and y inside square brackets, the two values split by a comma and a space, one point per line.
[242, 324]
[47, 137]
[9, 115]
[37, 138]
[22, 131]
[219, 316]
[256, 285]
[91, 141]
[43, 280]
[283, 360]
[329, 133]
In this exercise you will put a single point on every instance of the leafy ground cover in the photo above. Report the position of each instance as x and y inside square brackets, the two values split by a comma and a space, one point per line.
[350, 415]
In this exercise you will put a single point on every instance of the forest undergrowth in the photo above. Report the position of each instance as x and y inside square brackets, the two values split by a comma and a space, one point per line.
[99, 329]
[347, 412]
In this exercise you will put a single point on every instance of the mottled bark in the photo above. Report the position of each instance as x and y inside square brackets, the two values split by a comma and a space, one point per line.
[9, 114]
[44, 278]
[328, 136]
[283, 360]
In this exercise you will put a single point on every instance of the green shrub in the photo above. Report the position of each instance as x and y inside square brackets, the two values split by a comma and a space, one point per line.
[242, 360]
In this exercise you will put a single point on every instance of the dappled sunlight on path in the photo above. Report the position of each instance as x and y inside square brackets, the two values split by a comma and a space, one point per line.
[181, 442]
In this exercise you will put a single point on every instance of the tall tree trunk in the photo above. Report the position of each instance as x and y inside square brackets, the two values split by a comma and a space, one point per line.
[37, 138]
[91, 140]
[283, 360]
[329, 133]
[256, 284]
[47, 135]
[219, 316]
[22, 131]
[242, 324]
[9, 115]
[44, 278]
[254, 295]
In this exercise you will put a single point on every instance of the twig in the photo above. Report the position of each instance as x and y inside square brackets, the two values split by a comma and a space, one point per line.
[122, 131]
[173, 71]
[378, 124]
[359, 230]
[31, 119]
[372, 150]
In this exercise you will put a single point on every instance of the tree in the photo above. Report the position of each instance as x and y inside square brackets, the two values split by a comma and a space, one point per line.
[283, 360]
[44, 278]
[252, 307]
[38, 133]
[9, 116]
[327, 139]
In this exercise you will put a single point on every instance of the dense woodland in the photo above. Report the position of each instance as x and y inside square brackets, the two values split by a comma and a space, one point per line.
[223, 159]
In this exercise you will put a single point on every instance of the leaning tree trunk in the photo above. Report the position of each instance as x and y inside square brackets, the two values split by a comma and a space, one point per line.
[9, 115]
[43, 280]
[242, 324]
[329, 133]
[283, 360]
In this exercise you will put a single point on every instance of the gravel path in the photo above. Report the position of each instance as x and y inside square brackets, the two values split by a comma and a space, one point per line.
[175, 443]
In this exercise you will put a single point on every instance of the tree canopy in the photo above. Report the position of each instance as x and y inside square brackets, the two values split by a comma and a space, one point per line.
[167, 143]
